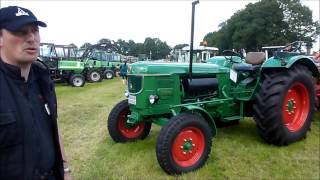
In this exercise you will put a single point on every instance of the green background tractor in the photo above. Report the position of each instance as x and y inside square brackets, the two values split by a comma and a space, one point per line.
[101, 61]
[67, 64]
[62, 62]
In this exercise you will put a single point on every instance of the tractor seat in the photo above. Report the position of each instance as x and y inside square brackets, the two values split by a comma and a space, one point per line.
[253, 60]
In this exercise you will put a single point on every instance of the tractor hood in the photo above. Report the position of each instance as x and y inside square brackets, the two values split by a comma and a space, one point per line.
[175, 68]
[70, 65]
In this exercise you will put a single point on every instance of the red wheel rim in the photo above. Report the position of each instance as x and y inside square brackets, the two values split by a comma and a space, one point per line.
[188, 146]
[296, 107]
[129, 132]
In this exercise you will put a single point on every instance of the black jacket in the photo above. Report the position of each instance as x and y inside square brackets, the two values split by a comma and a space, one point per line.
[13, 162]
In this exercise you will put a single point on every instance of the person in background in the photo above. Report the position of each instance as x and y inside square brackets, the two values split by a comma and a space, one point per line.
[316, 56]
[288, 48]
[30, 145]
[124, 72]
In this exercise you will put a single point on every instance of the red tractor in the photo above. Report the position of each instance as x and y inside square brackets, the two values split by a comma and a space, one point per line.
[316, 58]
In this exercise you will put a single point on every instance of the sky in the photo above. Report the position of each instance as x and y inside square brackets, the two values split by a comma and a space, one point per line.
[77, 22]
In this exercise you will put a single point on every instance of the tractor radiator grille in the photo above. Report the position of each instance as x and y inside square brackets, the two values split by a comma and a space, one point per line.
[134, 83]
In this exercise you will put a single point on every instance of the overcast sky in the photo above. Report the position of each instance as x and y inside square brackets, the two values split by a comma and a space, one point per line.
[88, 21]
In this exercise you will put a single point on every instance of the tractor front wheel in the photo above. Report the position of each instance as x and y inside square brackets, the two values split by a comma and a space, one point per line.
[94, 76]
[184, 144]
[285, 105]
[119, 130]
[108, 74]
[77, 80]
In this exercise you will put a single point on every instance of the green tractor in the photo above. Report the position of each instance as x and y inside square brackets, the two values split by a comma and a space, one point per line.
[188, 100]
[62, 63]
[67, 64]
[101, 61]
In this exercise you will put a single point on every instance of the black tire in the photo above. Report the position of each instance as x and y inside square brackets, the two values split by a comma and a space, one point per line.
[108, 74]
[94, 75]
[77, 80]
[279, 119]
[117, 129]
[171, 152]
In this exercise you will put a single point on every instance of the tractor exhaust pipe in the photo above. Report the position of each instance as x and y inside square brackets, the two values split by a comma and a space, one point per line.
[194, 3]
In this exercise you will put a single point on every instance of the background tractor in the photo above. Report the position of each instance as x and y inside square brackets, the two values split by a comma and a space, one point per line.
[67, 64]
[63, 64]
[188, 100]
[102, 61]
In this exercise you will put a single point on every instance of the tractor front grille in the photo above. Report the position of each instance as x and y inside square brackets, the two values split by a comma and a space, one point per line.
[134, 83]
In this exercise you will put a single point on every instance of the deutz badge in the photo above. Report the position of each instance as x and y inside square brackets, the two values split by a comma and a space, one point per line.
[233, 75]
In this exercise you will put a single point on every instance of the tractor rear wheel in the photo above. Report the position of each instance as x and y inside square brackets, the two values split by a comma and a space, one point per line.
[108, 74]
[119, 130]
[77, 80]
[184, 144]
[94, 75]
[285, 105]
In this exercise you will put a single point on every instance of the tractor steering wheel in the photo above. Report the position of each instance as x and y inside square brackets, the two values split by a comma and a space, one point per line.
[293, 47]
[230, 53]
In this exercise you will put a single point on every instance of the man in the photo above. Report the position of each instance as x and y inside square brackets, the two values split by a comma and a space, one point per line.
[30, 147]
[288, 48]
[316, 56]
[124, 72]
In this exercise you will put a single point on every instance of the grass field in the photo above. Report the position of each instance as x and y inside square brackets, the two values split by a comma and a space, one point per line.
[237, 151]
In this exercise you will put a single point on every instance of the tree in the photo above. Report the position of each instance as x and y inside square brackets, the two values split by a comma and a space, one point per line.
[85, 45]
[72, 44]
[105, 40]
[133, 50]
[267, 22]
[123, 46]
[299, 21]
[156, 47]
[180, 46]
[164, 49]
[149, 47]
[137, 49]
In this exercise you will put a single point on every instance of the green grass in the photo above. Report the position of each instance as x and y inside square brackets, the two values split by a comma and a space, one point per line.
[237, 151]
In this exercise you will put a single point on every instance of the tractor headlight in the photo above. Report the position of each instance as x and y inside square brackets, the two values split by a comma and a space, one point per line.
[153, 99]
[126, 93]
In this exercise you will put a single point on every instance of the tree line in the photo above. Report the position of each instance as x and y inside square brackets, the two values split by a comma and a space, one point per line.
[264, 23]
[153, 48]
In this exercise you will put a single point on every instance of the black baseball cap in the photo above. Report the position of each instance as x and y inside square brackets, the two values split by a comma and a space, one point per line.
[13, 17]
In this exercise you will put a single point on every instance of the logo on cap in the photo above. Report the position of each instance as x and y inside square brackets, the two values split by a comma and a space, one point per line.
[21, 13]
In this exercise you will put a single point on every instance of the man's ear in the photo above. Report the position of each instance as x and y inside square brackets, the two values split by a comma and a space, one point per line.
[1, 38]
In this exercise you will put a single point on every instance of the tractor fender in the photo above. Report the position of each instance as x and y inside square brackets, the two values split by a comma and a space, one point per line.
[300, 59]
[204, 114]
[306, 61]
